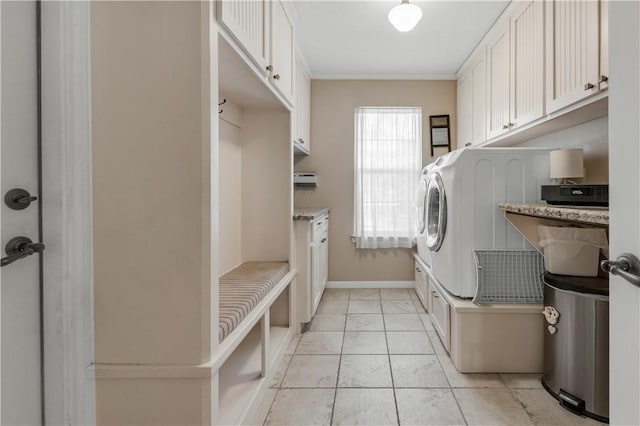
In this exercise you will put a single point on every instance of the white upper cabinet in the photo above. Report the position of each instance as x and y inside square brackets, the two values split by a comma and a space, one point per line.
[516, 71]
[527, 64]
[282, 58]
[572, 51]
[498, 84]
[248, 24]
[264, 30]
[465, 104]
[472, 103]
[538, 60]
[604, 45]
[302, 120]
[479, 101]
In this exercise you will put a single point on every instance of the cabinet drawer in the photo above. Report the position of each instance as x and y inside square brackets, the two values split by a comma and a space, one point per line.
[319, 228]
[422, 285]
[440, 316]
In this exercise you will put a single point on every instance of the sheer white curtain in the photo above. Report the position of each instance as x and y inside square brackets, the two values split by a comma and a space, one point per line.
[388, 162]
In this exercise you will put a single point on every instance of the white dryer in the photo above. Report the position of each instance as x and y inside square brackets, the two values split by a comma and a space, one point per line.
[463, 191]
[421, 216]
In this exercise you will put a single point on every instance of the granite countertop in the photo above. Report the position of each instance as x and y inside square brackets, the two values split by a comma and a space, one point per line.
[592, 215]
[309, 213]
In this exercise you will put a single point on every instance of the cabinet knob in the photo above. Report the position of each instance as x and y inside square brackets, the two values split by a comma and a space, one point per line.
[603, 79]
[505, 127]
[323, 240]
[467, 144]
[418, 270]
[588, 86]
[435, 294]
[511, 125]
[269, 67]
[301, 140]
[276, 76]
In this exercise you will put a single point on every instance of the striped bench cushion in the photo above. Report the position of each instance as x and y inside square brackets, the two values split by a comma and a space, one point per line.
[243, 288]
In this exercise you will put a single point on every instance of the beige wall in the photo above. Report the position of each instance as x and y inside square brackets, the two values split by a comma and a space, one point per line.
[592, 137]
[149, 187]
[332, 107]
[230, 200]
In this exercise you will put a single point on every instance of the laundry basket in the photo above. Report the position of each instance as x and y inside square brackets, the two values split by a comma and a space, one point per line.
[572, 251]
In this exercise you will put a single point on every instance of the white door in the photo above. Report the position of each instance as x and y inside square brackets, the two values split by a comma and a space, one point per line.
[20, 284]
[624, 181]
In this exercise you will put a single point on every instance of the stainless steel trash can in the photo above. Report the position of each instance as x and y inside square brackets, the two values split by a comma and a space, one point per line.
[576, 343]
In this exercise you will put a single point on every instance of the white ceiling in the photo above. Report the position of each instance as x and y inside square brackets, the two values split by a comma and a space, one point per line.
[354, 39]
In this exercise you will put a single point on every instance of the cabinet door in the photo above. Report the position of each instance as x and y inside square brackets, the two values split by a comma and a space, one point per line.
[303, 99]
[527, 63]
[440, 317]
[282, 50]
[603, 80]
[316, 276]
[422, 289]
[247, 22]
[571, 51]
[465, 109]
[324, 264]
[305, 89]
[498, 84]
[479, 101]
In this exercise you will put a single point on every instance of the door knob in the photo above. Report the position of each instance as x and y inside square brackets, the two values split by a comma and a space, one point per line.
[18, 199]
[626, 266]
[18, 248]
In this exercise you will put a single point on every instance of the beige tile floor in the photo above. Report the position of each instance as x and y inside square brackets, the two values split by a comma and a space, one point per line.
[372, 357]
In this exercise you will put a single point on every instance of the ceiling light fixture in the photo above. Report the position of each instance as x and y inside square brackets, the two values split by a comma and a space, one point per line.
[405, 16]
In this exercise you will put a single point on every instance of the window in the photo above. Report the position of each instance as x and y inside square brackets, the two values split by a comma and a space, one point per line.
[388, 161]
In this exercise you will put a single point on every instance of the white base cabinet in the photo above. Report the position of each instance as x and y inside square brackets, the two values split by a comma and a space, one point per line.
[505, 338]
[312, 259]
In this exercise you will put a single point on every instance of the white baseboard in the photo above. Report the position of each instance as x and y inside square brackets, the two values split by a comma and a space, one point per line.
[370, 284]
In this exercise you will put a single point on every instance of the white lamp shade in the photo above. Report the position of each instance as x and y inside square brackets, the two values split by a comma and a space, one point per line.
[566, 163]
[405, 16]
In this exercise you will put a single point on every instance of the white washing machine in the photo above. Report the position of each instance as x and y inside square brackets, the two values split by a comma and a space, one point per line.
[421, 217]
[463, 191]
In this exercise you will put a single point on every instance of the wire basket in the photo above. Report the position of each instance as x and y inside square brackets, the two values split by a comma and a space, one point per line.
[508, 276]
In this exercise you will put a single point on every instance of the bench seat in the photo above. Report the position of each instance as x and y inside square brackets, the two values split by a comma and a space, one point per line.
[243, 288]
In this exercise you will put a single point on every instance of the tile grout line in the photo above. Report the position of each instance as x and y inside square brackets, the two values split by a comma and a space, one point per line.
[335, 389]
[393, 383]
[529, 415]
[466, 422]
[277, 388]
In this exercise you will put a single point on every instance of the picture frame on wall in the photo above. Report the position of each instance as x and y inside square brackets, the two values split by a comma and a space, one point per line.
[440, 131]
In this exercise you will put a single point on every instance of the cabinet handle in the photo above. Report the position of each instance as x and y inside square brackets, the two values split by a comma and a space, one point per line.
[435, 294]
[276, 76]
[603, 79]
[323, 240]
[269, 67]
[588, 86]
[418, 269]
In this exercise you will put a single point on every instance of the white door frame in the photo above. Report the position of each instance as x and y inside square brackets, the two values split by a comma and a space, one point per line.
[624, 156]
[67, 213]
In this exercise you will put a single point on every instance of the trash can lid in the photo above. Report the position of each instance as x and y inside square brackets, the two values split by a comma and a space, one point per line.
[590, 285]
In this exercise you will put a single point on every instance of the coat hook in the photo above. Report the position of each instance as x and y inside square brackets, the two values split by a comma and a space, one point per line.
[224, 101]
